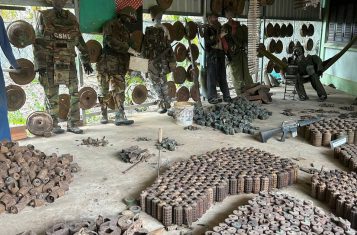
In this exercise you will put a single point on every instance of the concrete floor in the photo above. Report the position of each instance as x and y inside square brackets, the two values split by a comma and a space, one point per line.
[99, 189]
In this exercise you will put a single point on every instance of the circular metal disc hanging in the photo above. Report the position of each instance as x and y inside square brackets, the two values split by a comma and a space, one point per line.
[171, 30]
[276, 30]
[180, 52]
[27, 73]
[290, 47]
[16, 97]
[172, 88]
[191, 76]
[303, 30]
[270, 66]
[191, 30]
[64, 104]
[179, 75]
[139, 94]
[279, 47]
[195, 51]
[164, 4]
[309, 45]
[269, 30]
[39, 123]
[94, 50]
[21, 34]
[195, 93]
[179, 29]
[283, 31]
[272, 46]
[87, 98]
[289, 30]
[183, 94]
[310, 30]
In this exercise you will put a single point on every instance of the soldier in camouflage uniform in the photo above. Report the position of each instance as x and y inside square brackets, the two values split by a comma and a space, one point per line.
[238, 58]
[156, 47]
[308, 67]
[113, 65]
[57, 35]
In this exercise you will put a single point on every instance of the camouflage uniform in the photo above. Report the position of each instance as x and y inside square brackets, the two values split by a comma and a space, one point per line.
[57, 35]
[112, 67]
[155, 43]
[307, 71]
[238, 66]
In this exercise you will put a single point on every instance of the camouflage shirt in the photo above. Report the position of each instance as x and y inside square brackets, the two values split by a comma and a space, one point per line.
[58, 33]
[116, 42]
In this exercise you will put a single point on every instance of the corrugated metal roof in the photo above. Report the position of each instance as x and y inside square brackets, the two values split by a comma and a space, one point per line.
[284, 9]
[180, 7]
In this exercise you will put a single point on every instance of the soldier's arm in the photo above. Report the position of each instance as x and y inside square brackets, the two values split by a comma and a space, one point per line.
[82, 47]
[117, 45]
[39, 48]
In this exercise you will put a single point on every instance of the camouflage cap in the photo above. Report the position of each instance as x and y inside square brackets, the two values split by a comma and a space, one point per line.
[128, 11]
[155, 10]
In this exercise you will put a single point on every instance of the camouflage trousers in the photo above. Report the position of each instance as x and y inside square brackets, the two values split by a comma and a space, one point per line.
[111, 87]
[239, 73]
[52, 97]
[161, 89]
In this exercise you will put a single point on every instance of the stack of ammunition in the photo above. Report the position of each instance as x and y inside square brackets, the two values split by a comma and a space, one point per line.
[235, 117]
[30, 177]
[189, 188]
[347, 154]
[338, 189]
[127, 223]
[323, 132]
[275, 213]
[169, 144]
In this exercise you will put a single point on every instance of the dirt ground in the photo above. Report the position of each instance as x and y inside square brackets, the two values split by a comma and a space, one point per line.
[99, 189]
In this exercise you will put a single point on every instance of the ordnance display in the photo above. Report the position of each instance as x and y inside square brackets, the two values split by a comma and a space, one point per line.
[169, 144]
[337, 188]
[235, 117]
[30, 177]
[192, 128]
[183, 94]
[183, 193]
[258, 92]
[277, 213]
[95, 142]
[87, 97]
[40, 124]
[21, 34]
[94, 50]
[347, 153]
[127, 223]
[134, 154]
[26, 75]
[323, 132]
[16, 97]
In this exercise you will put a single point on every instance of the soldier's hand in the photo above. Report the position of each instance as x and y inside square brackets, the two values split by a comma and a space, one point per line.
[88, 68]
[42, 71]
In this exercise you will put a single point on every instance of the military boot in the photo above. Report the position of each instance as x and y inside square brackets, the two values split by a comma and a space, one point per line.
[57, 129]
[121, 120]
[104, 111]
[74, 129]
[163, 107]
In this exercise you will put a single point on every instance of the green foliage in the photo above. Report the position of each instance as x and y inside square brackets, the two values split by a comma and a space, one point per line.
[17, 118]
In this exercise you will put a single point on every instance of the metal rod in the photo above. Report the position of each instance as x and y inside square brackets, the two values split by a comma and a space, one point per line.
[159, 159]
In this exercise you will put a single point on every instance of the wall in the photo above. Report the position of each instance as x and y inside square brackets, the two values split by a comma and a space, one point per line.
[343, 74]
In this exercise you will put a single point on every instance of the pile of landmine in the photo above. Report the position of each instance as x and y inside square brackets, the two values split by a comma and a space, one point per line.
[30, 177]
[323, 132]
[275, 213]
[338, 190]
[127, 224]
[347, 154]
[234, 117]
[134, 154]
[189, 188]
